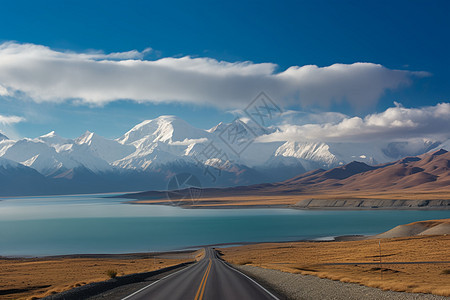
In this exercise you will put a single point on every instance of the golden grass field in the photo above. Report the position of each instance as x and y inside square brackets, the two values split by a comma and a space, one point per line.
[290, 200]
[309, 258]
[33, 278]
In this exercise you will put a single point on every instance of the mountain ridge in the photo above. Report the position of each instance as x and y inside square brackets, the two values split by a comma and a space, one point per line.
[155, 150]
[432, 175]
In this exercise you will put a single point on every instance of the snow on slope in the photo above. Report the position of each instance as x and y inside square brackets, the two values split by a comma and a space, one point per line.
[160, 141]
[163, 129]
[83, 155]
[34, 154]
[44, 158]
[148, 157]
[4, 145]
[109, 150]
[52, 138]
[309, 151]
[166, 140]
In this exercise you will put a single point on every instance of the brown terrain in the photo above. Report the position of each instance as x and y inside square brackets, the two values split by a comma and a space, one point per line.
[34, 278]
[412, 182]
[415, 262]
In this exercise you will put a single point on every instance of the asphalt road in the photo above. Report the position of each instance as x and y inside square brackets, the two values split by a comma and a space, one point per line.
[210, 278]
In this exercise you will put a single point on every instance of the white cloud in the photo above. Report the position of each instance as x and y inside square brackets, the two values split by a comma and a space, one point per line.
[187, 142]
[10, 120]
[295, 117]
[97, 78]
[396, 123]
[3, 91]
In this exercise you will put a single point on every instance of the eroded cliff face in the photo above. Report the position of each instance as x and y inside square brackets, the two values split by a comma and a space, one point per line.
[372, 204]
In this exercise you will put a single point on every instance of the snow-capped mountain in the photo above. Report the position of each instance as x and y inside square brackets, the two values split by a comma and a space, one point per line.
[151, 152]
[108, 150]
[49, 158]
[17, 179]
[166, 129]
[52, 138]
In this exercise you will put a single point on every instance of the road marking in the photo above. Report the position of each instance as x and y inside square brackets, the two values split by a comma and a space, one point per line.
[201, 288]
[264, 289]
[206, 279]
[155, 282]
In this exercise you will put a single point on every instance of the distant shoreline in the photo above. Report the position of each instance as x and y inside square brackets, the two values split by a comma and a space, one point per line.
[182, 250]
[269, 206]
[424, 201]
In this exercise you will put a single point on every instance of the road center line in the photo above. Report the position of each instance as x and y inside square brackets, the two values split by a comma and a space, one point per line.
[204, 284]
[201, 288]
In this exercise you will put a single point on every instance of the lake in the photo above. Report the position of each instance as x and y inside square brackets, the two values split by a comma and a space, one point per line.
[37, 226]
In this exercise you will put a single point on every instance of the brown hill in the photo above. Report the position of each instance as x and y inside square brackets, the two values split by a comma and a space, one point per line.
[430, 171]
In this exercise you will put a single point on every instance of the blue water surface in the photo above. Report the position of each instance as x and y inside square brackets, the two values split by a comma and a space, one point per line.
[36, 226]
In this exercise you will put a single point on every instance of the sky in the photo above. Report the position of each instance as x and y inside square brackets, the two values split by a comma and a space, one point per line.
[339, 69]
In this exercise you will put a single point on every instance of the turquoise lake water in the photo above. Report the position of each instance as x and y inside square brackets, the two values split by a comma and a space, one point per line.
[35, 226]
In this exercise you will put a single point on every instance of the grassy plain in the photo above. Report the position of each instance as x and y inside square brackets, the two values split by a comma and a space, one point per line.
[314, 258]
[33, 278]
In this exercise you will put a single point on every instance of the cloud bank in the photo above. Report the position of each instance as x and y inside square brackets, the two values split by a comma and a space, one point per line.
[96, 78]
[396, 123]
[10, 120]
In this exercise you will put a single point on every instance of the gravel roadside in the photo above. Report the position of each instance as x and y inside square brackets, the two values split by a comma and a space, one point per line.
[296, 286]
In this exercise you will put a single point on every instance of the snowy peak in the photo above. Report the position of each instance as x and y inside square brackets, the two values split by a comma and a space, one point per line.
[164, 129]
[52, 138]
[49, 135]
[86, 138]
[84, 156]
[108, 150]
[317, 152]
[35, 154]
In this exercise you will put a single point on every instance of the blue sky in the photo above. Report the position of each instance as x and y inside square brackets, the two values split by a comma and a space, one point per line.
[399, 35]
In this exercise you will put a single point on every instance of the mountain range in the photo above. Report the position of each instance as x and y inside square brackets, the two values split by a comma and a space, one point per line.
[411, 182]
[150, 153]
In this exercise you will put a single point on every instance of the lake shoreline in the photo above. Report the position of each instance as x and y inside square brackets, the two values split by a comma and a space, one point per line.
[394, 200]
[296, 207]
[125, 255]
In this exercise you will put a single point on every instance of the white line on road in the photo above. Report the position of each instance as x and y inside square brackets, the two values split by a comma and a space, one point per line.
[264, 289]
[155, 282]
